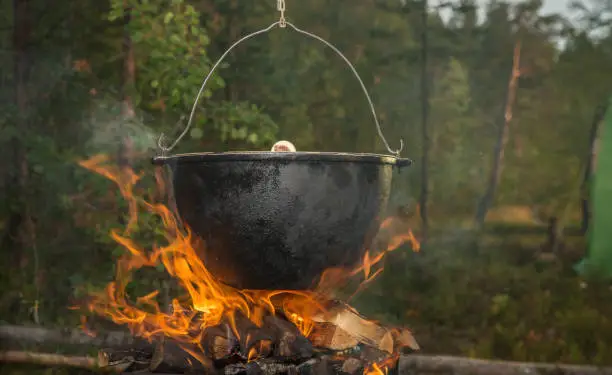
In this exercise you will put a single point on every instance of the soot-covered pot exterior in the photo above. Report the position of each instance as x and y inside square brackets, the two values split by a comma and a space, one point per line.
[278, 220]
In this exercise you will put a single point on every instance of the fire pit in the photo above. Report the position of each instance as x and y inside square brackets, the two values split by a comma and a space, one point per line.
[275, 235]
[340, 343]
[212, 328]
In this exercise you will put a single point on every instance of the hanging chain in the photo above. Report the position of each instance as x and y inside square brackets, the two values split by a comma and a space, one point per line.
[280, 6]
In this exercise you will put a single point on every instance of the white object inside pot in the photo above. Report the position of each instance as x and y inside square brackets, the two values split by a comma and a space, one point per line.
[283, 146]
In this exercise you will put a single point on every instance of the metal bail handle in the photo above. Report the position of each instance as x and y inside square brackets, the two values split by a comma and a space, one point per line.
[281, 23]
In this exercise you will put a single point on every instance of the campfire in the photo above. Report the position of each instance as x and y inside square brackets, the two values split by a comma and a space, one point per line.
[213, 328]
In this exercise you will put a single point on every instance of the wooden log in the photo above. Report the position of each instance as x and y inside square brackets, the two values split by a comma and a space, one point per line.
[288, 340]
[260, 367]
[276, 336]
[352, 366]
[172, 357]
[432, 365]
[323, 365]
[47, 359]
[66, 336]
[162, 356]
[219, 342]
[329, 336]
[254, 341]
[132, 358]
[342, 327]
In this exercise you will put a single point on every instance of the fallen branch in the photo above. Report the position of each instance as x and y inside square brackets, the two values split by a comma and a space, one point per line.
[48, 359]
[458, 365]
[39, 335]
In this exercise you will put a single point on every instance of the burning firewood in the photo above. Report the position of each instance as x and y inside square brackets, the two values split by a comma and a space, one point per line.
[359, 342]
[121, 360]
[159, 356]
[318, 364]
[352, 366]
[171, 357]
[289, 341]
[328, 335]
[342, 327]
[219, 342]
[260, 367]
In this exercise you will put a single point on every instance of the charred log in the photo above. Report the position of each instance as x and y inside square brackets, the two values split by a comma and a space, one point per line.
[161, 356]
[171, 357]
[220, 343]
[317, 366]
[289, 342]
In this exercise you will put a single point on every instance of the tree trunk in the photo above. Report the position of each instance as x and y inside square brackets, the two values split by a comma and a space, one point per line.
[21, 34]
[502, 140]
[426, 137]
[21, 232]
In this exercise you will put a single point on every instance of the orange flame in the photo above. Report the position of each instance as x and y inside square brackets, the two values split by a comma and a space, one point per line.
[206, 302]
[375, 370]
[381, 368]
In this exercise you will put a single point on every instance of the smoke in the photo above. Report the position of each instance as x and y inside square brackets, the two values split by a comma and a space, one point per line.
[109, 129]
[402, 196]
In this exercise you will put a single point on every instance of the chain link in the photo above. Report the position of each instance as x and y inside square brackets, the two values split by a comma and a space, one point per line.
[280, 6]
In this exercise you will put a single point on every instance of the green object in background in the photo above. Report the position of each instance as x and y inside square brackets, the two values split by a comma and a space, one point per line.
[598, 262]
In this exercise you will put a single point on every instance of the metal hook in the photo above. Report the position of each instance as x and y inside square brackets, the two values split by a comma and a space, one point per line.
[160, 141]
[280, 6]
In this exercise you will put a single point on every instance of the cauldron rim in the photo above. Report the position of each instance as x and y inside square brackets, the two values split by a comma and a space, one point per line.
[302, 156]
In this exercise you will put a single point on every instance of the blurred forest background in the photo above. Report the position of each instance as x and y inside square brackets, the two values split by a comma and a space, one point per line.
[496, 104]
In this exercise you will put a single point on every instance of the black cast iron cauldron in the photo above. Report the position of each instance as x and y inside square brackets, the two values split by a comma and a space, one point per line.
[277, 220]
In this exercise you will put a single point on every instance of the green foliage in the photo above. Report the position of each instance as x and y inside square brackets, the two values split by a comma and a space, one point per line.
[170, 45]
[242, 122]
[495, 303]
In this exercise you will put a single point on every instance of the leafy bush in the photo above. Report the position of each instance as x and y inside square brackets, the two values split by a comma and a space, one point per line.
[492, 303]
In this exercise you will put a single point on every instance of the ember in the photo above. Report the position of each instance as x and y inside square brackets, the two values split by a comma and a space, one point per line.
[224, 330]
